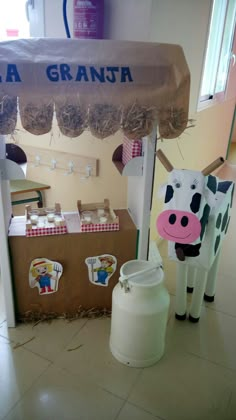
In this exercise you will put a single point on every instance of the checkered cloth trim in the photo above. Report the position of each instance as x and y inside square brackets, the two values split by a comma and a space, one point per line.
[131, 149]
[57, 230]
[100, 227]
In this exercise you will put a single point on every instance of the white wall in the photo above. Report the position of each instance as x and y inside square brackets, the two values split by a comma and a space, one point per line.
[123, 19]
[127, 19]
[183, 22]
[233, 138]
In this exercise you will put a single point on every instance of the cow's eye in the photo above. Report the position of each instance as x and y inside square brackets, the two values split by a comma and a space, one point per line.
[193, 186]
[177, 185]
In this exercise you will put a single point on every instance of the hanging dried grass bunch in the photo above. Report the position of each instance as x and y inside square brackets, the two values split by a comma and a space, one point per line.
[71, 117]
[8, 114]
[104, 120]
[172, 122]
[138, 121]
[36, 115]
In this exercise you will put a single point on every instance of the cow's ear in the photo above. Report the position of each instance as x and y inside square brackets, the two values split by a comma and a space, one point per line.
[161, 190]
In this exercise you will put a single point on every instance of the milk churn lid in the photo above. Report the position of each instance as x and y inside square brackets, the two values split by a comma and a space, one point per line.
[141, 273]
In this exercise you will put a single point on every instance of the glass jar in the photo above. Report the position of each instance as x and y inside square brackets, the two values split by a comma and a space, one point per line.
[34, 217]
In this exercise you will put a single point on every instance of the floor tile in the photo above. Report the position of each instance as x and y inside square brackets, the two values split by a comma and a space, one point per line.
[57, 395]
[93, 359]
[212, 338]
[19, 369]
[131, 412]
[184, 387]
[49, 338]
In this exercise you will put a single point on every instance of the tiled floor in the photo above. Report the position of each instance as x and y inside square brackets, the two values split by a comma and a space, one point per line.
[66, 371]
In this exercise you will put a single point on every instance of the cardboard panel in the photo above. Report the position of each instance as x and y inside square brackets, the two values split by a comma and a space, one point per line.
[70, 250]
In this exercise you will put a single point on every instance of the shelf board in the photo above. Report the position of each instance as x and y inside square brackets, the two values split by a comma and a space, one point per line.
[11, 170]
[133, 168]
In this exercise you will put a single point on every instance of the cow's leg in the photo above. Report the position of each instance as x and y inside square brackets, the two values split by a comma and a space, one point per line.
[199, 289]
[181, 295]
[209, 294]
[192, 272]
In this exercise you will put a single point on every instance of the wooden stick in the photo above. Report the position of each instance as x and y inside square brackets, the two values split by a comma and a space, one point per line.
[214, 165]
[165, 162]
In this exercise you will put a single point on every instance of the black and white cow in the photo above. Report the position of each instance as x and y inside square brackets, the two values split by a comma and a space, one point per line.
[194, 221]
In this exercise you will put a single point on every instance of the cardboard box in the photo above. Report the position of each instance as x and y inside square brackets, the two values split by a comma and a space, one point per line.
[97, 217]
[43, 225]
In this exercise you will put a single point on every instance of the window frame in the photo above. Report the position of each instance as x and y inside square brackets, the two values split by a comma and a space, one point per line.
[207, 100]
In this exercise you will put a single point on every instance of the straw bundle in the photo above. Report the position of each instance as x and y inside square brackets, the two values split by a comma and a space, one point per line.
[37, 317]
[172, 122]
[36, 116]
[104, 120]
[8, 114]
[138, 121]
[71, 117]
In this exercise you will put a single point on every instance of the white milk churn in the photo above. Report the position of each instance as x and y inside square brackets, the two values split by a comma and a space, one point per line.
[140, 304]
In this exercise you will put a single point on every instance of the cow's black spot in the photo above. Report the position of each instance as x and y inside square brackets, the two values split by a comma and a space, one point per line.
[204, 219]
[217, 243]
[225, 219]
[232, 196]
[211, 183]
[218, 221]
[169, 193]
[195, 203]
[172, 219]
[226, 229]
[184, 221]
[223, 186]
[188, 249]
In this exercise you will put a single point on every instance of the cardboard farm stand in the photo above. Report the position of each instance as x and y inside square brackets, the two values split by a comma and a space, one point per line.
[115, 85]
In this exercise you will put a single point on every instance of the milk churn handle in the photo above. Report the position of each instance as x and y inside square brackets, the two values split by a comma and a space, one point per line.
[124, 280]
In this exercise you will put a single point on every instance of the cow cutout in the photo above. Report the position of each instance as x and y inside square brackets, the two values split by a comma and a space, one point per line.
[194, 221]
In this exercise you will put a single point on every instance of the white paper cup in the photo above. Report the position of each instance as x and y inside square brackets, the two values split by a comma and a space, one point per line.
[34, 218]
[103, 219]
[50, 217]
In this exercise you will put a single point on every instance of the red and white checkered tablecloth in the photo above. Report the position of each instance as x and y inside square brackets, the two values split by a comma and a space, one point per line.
[131, 149]
[99, 227]
[57, 230]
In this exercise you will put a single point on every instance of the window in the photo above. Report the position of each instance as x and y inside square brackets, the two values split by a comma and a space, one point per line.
[218, 53]
[13, 21]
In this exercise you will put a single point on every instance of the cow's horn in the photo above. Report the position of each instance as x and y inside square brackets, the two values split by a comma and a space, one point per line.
[213, 166]
[165, 162]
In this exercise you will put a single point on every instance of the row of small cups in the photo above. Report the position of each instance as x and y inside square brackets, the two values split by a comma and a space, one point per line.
[51, 216]
[87, 216]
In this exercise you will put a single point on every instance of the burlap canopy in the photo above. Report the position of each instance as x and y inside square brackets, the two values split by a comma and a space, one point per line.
[103, 85]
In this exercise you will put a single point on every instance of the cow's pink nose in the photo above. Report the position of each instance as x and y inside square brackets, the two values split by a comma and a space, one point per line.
[178, 226]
